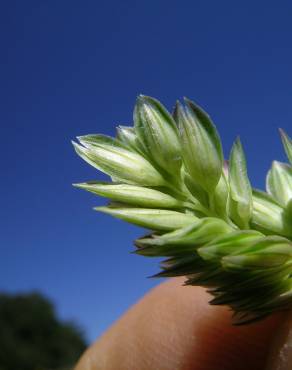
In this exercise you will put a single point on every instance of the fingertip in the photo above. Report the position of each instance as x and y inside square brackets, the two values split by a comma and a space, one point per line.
[174, 327]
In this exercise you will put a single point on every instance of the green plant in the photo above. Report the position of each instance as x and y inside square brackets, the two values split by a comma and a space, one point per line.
[32, 337]
[169, 175]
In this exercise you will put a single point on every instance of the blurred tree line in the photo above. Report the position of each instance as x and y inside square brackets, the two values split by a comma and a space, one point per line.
[33, 338]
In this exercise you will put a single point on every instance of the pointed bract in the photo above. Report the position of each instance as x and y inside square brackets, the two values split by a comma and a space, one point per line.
[268, 215]
[229, 243]
[200, 232]
[131, 194]
[279, 182]
[158, 132]
[240, 189]
[266, 252]
[157, 219]
[287, 143]
[128, 137]
[201, 146]
[219, 199]
[112, 158]
[196, 190]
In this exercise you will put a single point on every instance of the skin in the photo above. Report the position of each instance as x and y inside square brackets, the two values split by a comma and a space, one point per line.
[174, 328]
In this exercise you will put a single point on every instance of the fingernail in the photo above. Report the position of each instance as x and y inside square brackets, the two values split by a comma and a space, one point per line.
[281, 350]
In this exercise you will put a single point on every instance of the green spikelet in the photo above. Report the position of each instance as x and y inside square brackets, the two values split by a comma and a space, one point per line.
[169, 175]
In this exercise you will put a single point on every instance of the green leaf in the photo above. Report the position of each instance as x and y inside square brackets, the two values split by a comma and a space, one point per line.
[240, 204]
[279, 182]
[287, 143]
[157, 219]
[112, 158]
[201, 146]
[158, 132]
[131, 194]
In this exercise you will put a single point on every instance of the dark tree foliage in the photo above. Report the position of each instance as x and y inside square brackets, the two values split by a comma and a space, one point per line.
[32, 337]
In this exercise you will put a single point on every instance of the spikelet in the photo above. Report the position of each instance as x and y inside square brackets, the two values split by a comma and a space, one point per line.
[168, 174]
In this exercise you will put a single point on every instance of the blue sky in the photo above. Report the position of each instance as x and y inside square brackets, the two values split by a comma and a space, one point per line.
[75, 67]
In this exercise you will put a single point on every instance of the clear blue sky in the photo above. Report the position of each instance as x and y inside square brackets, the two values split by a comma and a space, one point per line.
[75, 67]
